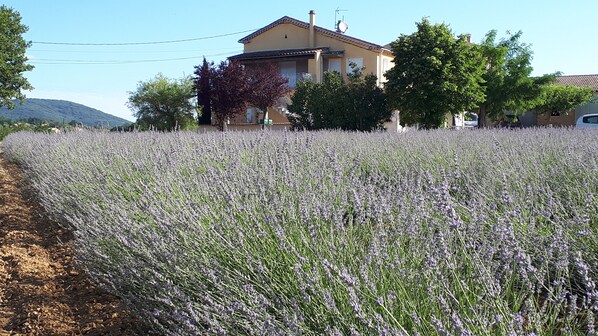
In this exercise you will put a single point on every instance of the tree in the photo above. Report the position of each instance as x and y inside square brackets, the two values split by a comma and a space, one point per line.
[368, 103]
[562, 99]
[434, 73]
[266, 85]
[229, 92]
[203, 77]
[225, 91]
[164, 104]
[12, 57]
[507, 80]
[358, 105]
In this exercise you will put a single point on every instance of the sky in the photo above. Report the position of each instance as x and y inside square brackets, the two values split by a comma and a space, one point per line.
[562, 35]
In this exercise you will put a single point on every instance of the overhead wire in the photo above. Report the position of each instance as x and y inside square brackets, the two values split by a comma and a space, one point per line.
[99, 62]
[128, 51]
[121, 61]
[141, 43]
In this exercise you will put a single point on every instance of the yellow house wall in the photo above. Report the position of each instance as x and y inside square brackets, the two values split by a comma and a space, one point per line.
[283, 36]
[289, 36]
[273, 113]
[382, 76]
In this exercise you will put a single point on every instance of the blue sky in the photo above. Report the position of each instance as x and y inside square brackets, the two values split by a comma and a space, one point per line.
[562, 34]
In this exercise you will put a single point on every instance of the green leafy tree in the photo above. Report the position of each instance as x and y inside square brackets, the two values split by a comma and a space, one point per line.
[358, 105]
[367, 102]
[562, 99]
[434, 74]
[507, 80]
[301, 109]
[164, 104]
[13, 62]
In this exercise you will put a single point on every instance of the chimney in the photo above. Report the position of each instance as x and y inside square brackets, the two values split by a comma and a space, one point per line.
[312, 24]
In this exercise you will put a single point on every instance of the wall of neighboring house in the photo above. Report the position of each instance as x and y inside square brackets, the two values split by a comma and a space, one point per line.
[569, 119]
[562, 119]
[589, 108]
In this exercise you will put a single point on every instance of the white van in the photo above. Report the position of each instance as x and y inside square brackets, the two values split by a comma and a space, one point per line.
[587, 121]
[465, 120]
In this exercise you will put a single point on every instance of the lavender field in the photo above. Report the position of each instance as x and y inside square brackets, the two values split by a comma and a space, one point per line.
[490, 232]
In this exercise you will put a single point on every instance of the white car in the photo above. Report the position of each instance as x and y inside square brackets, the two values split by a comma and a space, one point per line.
[587, 121]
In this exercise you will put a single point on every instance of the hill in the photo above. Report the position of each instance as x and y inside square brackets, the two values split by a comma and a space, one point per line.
[61, 111]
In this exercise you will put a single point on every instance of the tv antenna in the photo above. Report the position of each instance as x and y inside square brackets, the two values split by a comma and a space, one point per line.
[340, 25]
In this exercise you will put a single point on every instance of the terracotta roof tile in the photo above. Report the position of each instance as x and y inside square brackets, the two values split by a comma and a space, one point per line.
[579, 80]
[267, 54]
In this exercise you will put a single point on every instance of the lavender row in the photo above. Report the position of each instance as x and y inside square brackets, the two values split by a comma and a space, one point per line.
[469, 233]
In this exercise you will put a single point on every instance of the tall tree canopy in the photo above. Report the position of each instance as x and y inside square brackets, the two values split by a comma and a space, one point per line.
[507, 80]
[13, 62]
[164, 104]
[434, 74]
[203, 86]
[229, 92]
[357, 105]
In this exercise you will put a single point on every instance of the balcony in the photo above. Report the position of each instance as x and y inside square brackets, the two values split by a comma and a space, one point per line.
[294, 77]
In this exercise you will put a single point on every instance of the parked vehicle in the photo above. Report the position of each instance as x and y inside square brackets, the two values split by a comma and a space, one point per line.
[509, 121]
[471, 120]
[587, 121]
[465, 120]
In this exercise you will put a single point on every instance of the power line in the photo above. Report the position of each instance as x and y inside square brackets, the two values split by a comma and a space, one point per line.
[111, 62]
[129, 51]
[141, 43]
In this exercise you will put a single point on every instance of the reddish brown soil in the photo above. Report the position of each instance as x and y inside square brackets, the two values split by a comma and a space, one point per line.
[41, 290]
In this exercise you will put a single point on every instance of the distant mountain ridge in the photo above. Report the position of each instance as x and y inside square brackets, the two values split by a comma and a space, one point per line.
[61, 111]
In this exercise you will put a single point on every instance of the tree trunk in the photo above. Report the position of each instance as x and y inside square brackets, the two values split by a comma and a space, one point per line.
[482, 122]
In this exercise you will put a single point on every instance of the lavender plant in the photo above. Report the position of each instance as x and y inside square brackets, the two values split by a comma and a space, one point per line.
[452, 233]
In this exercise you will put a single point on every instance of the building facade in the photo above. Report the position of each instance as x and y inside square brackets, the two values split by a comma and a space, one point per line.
[566, 118]
[303, 50]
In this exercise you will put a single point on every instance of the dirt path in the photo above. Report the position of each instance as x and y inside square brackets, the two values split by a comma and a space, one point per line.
[41, 293]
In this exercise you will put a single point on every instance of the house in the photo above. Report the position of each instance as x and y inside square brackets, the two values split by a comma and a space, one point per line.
[532, 118]
[303, 50]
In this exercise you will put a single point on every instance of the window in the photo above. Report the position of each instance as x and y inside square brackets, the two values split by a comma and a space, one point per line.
[251, 115]
[334, 64]
[358, 62]
[288, 70]
[590, 119]
[385, 65]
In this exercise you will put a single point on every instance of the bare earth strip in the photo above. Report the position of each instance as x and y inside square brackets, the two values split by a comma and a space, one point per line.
[41, 292]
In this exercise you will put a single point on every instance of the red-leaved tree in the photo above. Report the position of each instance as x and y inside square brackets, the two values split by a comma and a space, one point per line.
[225, 91]
[229, 92]
[266, 86]
[203, 85]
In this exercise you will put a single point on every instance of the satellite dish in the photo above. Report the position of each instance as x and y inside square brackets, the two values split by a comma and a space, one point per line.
[341, 27]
